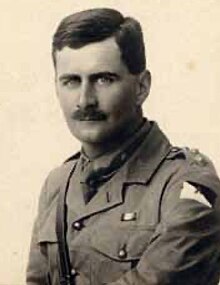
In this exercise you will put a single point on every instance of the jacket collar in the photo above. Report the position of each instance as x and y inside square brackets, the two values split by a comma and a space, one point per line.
[148, 157]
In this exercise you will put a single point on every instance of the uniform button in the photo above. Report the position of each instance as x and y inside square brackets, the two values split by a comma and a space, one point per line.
[73, 272]
[123, 156]
[77, 226]
[122, 253]
[175, 149]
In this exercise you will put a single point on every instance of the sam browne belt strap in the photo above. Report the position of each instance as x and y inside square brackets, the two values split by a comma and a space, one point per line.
[66, 278]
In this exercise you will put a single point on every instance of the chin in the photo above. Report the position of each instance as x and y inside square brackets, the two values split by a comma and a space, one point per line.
[91, 136]
[96, 133]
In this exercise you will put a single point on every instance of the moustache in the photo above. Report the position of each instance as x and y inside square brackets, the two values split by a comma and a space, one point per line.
[89, 115]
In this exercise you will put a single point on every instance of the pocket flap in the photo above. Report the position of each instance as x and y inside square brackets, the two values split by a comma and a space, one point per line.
[133, 241]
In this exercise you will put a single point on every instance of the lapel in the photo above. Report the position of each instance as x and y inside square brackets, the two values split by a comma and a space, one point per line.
[147, 159]
[108, 196]
[138, 169]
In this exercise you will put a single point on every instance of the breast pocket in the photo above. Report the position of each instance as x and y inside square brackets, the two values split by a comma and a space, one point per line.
[117, 249]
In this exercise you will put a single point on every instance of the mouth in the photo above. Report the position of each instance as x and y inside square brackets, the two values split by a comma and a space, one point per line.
[89, 116]
[91, 119]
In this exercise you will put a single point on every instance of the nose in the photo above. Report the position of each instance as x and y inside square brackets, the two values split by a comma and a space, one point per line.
[87, 96]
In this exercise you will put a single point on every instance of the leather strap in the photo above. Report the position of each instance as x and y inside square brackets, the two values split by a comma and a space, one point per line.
[66, 278]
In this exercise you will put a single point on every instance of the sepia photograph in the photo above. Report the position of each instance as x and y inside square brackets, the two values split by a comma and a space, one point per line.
[110, 158]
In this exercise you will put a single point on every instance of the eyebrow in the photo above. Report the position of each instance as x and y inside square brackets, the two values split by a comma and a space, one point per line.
[68, 76]
[105, 73]
[92, 77]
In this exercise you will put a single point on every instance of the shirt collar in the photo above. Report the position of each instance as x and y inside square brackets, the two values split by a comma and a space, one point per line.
[146, 158]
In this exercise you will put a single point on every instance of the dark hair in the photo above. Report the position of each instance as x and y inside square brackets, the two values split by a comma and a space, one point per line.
[95, 25]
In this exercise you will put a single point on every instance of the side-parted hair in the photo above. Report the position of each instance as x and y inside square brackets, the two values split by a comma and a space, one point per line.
[95, 25]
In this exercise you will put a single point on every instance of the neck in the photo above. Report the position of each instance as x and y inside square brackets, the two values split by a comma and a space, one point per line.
[112, 143]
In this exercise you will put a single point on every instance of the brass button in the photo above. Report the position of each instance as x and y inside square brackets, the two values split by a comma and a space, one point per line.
[175, 149]
[77, 226]
[73, 272]
[123, 156]
[122, 253]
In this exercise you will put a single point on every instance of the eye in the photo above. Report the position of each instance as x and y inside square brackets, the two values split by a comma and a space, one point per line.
[105, 80]
[71, 82]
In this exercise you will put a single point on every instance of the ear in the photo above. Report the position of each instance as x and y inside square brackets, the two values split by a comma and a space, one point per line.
[143, 89]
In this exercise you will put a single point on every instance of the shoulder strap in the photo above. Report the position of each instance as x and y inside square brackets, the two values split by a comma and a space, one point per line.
[66, 278]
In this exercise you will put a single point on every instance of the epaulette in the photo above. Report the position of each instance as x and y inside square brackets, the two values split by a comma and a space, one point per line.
[186, 153]
[73, 157]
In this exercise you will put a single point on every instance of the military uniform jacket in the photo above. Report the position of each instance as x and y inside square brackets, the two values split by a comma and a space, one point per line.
[155, 222]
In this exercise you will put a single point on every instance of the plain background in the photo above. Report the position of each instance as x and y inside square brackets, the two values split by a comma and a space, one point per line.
[183, 49]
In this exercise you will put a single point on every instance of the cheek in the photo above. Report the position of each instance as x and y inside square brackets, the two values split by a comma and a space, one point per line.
[119, 102]
[67, 102]
[118, 97]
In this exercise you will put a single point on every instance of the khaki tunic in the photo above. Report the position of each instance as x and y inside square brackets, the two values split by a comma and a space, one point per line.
[155, 222]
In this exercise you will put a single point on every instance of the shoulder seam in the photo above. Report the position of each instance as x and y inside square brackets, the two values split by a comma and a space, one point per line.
[72, 157]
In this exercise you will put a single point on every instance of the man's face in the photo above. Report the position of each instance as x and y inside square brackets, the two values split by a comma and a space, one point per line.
[97, 93]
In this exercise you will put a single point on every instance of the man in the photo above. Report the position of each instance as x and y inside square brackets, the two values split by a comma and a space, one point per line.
[129, 208]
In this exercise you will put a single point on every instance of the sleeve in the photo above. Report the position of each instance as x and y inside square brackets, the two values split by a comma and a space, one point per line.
[37, 271]
[185, 248]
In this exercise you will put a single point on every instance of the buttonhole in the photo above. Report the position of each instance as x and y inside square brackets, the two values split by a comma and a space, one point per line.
[108, 197]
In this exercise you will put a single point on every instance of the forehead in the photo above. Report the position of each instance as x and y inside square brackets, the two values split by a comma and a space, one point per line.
[94, 57]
